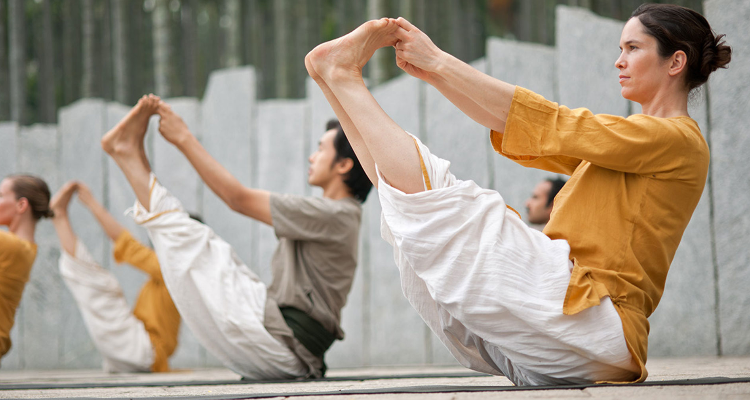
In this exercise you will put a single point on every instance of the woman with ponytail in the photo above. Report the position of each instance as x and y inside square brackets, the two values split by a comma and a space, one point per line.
[24, 200]
[571, 304]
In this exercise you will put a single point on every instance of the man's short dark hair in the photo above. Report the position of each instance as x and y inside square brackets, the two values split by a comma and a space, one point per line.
[556, 185]
[356, 179]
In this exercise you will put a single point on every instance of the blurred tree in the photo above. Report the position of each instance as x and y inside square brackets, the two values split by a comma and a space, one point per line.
[378, 69]
[162, 48]
[17, 45]
[4, 93]
[189, 49]
[282, 9]
[230, 25]
[87, 48]
[120, 60]
[46, 56]
[123, 48]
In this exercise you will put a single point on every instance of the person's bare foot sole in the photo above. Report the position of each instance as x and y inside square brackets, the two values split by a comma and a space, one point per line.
[346, 56]
[61, 199]
[127, 136]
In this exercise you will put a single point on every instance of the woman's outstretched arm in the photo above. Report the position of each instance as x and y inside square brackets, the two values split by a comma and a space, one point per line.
[111, 227]
[483, 98]
[59, 206]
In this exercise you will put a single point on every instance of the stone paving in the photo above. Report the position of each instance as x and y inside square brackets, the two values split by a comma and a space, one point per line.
[683, 378]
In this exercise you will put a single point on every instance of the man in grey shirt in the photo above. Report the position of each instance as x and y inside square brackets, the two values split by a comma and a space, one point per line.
[280, 331]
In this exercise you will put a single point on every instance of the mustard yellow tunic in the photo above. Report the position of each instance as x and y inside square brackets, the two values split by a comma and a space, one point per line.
[154, 305]
[16, 258]
[634, 185]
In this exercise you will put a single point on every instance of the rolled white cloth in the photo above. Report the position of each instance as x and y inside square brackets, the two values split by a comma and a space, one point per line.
[492, 289]
[120, 337]
[217, 295]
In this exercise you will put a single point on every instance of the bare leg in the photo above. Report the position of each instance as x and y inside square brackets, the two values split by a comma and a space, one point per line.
[59, 205]
[124, 143]
[339, 64]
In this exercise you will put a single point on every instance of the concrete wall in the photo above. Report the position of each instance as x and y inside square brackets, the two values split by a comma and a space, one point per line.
[265, 144]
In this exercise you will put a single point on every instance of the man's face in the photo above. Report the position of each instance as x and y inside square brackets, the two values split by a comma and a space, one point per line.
[322, 170]
[536, 205]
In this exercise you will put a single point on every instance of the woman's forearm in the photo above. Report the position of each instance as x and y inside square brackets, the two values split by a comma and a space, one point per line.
[485, 99]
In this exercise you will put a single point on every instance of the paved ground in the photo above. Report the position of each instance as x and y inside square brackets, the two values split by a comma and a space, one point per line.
[699, 378]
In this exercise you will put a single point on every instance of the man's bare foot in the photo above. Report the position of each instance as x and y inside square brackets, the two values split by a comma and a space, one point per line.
[346, 56]
[126, 138]
[61, 199]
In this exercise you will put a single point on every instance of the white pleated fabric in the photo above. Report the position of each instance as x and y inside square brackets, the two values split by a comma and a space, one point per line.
[120, 337]
[492, 289]
[217, 295]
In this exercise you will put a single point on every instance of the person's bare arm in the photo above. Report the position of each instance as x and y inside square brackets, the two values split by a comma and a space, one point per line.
[253, 203]
[109, 224]
[483, 98]
[59, 205]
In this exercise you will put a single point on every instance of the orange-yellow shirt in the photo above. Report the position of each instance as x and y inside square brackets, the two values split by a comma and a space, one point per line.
[16, 258]
[634, 185]
[154, 305]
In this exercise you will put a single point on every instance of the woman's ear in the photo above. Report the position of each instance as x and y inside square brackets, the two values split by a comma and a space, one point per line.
[678, 63]
[22, 205]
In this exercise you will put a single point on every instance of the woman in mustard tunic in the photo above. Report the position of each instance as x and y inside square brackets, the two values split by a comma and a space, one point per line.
[569, 305]
[24, 200]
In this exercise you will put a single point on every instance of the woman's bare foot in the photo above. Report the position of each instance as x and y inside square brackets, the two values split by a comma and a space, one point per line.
[61, 199]
[345, 57]
[126, 138]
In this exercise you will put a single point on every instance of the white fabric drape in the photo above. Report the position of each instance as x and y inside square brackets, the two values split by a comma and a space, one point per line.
[120, 337]
[217, 295]
[492, 289]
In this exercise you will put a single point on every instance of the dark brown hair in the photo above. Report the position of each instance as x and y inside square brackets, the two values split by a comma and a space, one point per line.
[679, 28]
[356, 179]
[36, 191]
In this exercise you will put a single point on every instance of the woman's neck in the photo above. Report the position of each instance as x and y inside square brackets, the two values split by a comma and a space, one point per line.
[24, 229]
[667, 103]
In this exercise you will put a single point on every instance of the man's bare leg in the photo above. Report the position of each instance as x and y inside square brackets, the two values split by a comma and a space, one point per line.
[124, 143]
[59, 205]
[339, 64]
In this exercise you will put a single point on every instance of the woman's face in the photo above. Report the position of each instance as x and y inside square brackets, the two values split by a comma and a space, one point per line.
[642, 70]
[8, 202]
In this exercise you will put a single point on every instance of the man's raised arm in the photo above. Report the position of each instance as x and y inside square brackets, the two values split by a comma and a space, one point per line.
[254, 203]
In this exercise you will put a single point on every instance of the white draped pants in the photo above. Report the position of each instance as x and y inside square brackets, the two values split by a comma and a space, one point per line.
[492, 289]
[217, 295]
[120, 337]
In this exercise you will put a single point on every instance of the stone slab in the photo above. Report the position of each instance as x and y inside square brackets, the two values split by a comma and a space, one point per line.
[530, 66]
[730, 144]
[176, 174]
[281, 164]
[320, 112]
[397, 334]
[8, 140]
[118, 198]
[82, 125]
[452, 135]
[688, 305]
[227, 125]
[8, 154]
[586, 73]
[170, 165]
[41, 302]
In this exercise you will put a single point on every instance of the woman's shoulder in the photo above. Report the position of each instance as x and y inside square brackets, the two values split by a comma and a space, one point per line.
[15, 248]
